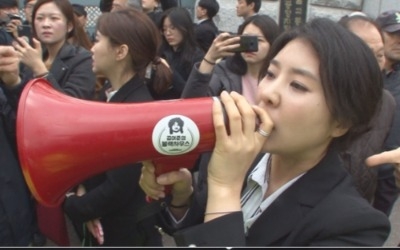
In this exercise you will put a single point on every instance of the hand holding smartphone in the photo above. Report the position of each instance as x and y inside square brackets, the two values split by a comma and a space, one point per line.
[247, 44]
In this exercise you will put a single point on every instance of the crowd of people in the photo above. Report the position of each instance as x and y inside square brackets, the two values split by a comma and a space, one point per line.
[307, 127]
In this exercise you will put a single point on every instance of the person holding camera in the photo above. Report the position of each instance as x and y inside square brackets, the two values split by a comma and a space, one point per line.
[9, 21]
[67, 67]
[17, 213]
[237, 71]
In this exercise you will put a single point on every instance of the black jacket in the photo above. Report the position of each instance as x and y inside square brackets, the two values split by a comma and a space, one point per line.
[16, 204]
[322, 208]
[180, 69]
[5, 37]
[205, 33]
[115, 196]
[70, 73]
[392, 84]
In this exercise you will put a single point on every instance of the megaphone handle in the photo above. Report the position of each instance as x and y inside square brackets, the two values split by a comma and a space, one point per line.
[173, 163]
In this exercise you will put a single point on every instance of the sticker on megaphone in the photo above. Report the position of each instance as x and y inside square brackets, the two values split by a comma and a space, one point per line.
[175, 135]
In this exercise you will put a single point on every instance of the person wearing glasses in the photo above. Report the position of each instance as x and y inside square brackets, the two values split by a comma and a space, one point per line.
[179, 47]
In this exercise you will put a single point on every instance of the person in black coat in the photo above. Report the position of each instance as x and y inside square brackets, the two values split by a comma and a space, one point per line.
[67, 66]
[370, 181]
[389, 22]
[8, 27]
[110, 207]
[206, 30]
[274, 177]
[17, 214]
[179, 48]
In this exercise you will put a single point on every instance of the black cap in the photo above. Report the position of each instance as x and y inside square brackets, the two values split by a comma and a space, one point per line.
[8, 4]
[389, 21]
[79, 10]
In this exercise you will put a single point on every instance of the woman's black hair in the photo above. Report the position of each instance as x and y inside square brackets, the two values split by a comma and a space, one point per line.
[136, 30]
[171, 123]
[181, 20]
[350, 74]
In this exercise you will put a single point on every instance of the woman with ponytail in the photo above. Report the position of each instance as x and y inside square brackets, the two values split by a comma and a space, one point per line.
[108, 208]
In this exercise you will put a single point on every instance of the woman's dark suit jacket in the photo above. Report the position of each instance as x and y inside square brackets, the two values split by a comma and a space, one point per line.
[71, 72]
[17, 214]
[322, 208]
[115, 196]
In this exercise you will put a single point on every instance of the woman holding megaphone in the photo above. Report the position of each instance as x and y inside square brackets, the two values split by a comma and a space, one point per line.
[283, 184]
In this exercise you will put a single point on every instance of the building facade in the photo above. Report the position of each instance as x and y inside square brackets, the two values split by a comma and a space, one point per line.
[285, 12]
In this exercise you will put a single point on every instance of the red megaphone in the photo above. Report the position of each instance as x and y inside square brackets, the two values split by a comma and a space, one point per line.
[64, 140]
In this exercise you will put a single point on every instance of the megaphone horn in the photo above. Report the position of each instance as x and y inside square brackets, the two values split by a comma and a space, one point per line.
[63, 140]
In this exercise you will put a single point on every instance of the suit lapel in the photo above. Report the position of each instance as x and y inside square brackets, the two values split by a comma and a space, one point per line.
[278, 220]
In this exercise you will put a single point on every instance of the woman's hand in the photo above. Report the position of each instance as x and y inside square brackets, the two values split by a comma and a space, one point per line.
[392, 156]
[96, 229]
[94, 226]
[222, 46]
[219, 49]
[236, 147]
[31, 56]
[12, 27]
[9, 66]
[154, 187]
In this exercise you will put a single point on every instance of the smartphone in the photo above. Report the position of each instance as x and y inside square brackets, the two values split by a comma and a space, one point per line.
[247, 44]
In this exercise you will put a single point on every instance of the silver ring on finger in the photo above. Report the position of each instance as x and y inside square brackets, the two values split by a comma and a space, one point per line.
[262, 132]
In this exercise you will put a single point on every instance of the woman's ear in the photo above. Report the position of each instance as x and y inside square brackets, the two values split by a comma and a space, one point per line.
[70, 27]
[122, 52]
[339, 130]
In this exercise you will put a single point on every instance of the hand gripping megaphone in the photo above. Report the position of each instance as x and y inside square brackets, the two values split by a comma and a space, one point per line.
[63, 140]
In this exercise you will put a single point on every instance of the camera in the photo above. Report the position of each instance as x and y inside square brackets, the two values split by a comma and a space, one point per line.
[8, 19]
[247, 44]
